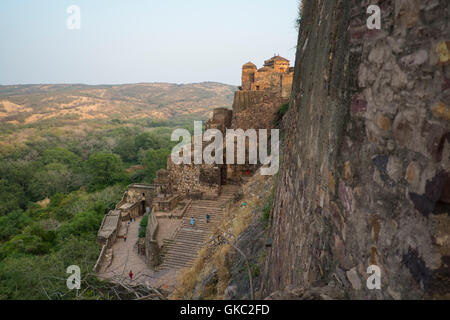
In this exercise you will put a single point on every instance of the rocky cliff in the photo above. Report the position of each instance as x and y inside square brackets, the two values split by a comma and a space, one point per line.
[365, 176]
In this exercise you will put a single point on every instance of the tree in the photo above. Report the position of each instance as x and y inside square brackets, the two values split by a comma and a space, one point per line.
[61, 155]
[153, 161]
[105, 169]
[147, 141]
[126, 148]
[84, 223]
[54, 178]
[12, 197]
[13, 223]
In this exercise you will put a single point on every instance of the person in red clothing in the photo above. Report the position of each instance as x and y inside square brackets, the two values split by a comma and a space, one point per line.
[131, 275]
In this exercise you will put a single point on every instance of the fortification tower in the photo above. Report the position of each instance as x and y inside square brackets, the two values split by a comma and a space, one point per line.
[248, 75]
[279, 64]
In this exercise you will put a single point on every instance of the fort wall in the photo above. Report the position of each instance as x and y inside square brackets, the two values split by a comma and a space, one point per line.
[365, 178]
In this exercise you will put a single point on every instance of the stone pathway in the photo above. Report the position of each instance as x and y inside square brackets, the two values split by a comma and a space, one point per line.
[181, 253]
[126, 257]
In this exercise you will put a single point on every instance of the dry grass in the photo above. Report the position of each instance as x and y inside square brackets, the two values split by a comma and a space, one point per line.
[44, 203]
[188, 277]
[204, 264]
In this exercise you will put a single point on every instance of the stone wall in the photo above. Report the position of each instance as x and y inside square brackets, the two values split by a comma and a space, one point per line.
[109, 228]
[130, 210]
[256, 106]
[364, 178]
[141, 192]
[256, 109]
[152, 250]
[166, 203]
[286, 85]
[191, 178]
[203, 179]
[220, 120]
[102, 258]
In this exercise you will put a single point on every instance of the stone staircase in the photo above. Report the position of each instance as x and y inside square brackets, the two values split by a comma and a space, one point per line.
[182, 250]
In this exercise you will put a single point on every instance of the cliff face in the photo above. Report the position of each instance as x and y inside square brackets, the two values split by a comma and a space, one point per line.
[365, 177]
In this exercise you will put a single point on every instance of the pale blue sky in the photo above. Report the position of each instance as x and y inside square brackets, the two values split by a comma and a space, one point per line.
[130, 41]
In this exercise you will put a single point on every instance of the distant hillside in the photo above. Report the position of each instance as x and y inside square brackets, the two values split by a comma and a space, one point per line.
[32, 103]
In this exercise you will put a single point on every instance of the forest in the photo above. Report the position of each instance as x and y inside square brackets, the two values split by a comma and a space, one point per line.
[56, 183]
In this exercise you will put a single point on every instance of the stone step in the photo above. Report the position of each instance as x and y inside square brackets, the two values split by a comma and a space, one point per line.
[194, 237]
[174, 266]
[211, 211]
[171, 266]
[182, 251]
[179, 262]
[187, 242]
[178, 255]
[180, 259]
[199, 223]
[204, 211]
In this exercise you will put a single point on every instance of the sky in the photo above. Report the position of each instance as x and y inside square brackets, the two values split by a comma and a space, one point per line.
[133, 41]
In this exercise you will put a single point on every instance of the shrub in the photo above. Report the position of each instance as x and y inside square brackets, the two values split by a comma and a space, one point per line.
[83, 223]
[12, 224]
[266, 211]
[143, 226]
[280, 114]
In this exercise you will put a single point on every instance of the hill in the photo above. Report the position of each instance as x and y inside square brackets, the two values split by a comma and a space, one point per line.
[26, 104]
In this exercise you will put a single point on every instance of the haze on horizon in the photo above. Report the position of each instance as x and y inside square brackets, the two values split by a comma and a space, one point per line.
[175, 41]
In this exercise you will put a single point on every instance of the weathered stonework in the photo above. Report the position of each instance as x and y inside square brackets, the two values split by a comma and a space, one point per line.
[152, 249]
[262, 93]
[255, 105]
[107, 234]
[192, 178]
[276, 73]
[136, 201]
[256, 109]
[365, 173]
[205, 179]
[140, 192]
[221, 120]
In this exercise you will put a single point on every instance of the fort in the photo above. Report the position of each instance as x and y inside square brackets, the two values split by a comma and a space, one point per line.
[167, 242]
[364, 180]
[214, 153]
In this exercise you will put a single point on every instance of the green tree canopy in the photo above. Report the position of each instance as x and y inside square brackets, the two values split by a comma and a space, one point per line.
[153, 161]
[105, 168]
[61, 155]
[148, 140]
